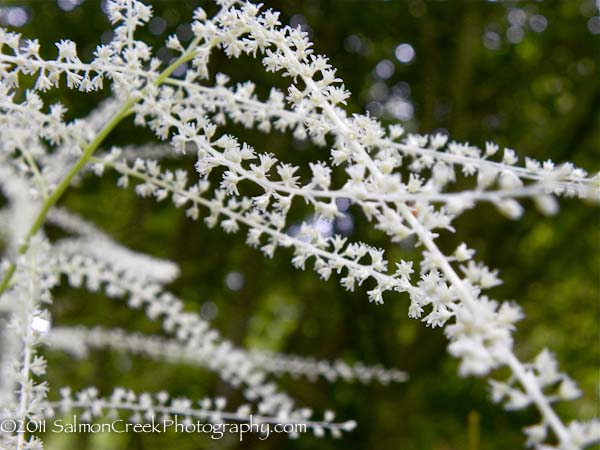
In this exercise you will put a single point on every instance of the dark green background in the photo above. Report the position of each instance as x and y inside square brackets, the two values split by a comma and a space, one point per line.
[540, 96]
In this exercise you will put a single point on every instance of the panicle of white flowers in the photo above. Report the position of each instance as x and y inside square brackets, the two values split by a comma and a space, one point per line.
[542, 377]
[80, 340]
[312, 368]
[23, 368]
[192, 332]
[41, 154]
[162, 408]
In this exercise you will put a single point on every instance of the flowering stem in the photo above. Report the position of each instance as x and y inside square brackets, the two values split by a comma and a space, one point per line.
[62, 187]
[84, 158]
[533, 390]
[7, 277]
[64, 184]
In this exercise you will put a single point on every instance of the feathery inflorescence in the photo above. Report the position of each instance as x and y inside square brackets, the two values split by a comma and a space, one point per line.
[41, 154]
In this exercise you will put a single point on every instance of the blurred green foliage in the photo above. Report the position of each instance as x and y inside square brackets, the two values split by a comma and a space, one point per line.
[539, 94]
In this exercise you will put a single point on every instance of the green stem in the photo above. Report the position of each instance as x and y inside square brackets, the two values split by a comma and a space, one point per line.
[7, 277]
[186, 56]
[62, 187]
[88, 151]
[64, 184]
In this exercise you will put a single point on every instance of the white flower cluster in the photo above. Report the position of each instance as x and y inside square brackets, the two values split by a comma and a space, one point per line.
[22, 388]
[161, 408]
[41, 155]
[80, 340]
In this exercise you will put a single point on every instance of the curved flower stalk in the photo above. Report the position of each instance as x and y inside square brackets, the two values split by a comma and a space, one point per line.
[404, 185]
[232, 365]
[196, 342]
[313, 369]
[360, 261]
[80, 340]
[535, 179]
[162, 410]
